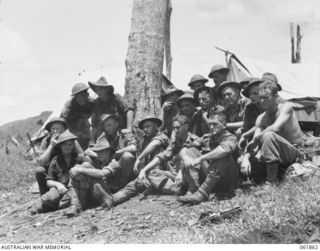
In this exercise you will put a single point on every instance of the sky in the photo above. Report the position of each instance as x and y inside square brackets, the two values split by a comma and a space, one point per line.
[48, 45]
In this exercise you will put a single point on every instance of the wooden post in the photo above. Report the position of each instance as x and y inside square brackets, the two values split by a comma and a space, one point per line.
[293, 59]
[298, 47]
[167, 49]
[144, 63]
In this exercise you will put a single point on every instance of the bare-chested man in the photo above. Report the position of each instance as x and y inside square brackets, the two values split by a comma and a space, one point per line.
[277, 134]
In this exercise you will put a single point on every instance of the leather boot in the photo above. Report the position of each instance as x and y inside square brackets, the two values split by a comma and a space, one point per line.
[37, 208]
[204, 191]
[75, 207]
[195, 198]
[103, 197]
[272, 173]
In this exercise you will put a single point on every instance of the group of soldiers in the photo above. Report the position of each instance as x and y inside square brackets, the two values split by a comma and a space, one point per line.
[206, 142]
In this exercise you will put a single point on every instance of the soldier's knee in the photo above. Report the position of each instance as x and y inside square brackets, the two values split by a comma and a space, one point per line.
[39, 170]
[268, 136]
[127, 156]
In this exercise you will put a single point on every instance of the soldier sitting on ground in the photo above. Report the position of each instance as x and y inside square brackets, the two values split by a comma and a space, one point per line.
[77, 110]
[221, 168]
[48, 150]
[197, 81]
[104, 171]
[109, 102]
[277, 135]
[58, 175]
[153, 143]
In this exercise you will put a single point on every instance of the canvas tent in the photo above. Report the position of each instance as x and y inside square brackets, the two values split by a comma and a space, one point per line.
[297, 80]
[300, 85]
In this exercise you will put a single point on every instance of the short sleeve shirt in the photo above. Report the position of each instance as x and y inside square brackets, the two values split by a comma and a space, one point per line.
[161, 138]
[175, 147]
[228, 142]
[120, 141]
[59, 169]
[113, 166]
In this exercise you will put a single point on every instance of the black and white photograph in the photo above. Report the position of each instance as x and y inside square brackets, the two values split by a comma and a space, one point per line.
[159, 122]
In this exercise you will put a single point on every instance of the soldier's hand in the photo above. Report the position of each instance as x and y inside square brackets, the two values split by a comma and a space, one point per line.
[126, 131]
[142, 176]
[75, 171]
[136, 166]
[178, 179]
[242, 143]
[61, 188]
[250, 147]
[53, 140]
[245, 166]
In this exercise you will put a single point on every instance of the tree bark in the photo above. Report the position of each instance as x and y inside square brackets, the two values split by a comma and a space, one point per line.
[167, 49]
[144, 63]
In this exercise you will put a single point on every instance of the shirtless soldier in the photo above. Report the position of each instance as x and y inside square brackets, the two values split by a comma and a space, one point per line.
[277, 134]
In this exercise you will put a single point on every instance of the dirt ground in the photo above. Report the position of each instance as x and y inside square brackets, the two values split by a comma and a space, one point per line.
[157, 219]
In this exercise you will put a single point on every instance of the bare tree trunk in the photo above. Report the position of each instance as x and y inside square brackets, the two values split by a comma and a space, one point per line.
[298, 47]
[167, 50]
[293, 59]
[144, 63]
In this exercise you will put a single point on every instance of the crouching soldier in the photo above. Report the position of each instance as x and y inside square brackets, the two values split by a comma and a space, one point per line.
[104, 171]
[222, 170]
[48, 150]
[77, 110]
[58, 175]
[153, 143]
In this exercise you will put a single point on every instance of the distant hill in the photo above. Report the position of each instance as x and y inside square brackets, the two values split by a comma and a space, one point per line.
[19, 128]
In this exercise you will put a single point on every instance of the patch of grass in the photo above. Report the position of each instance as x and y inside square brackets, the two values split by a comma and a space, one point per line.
[15, 171]
[287, 214]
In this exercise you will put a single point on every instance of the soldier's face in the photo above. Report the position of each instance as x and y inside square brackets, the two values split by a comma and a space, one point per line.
[57, 128]
[216, 127]
[204, 99]
[102, 93]
[82, 98]
[149, 128]
[267, 100]
[187, 107]
[254, 94]
[179, 129]
[218, 77]
[196, 85]
[110, 126]
[67, 147]
[104, 156]
[230, 96]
